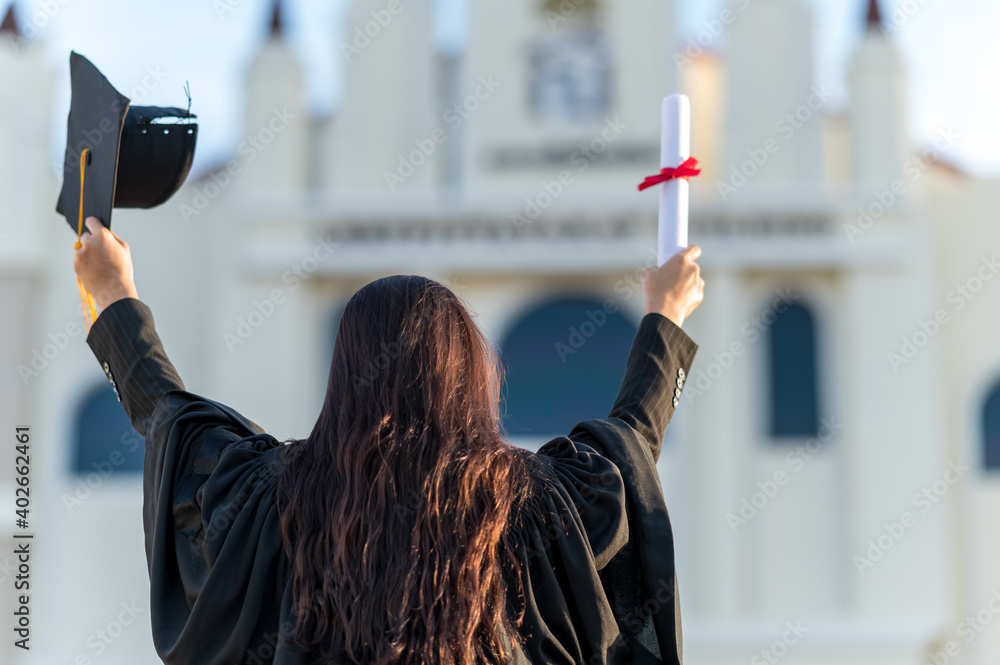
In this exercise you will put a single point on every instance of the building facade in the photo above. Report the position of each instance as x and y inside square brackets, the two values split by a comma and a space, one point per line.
[831, 471]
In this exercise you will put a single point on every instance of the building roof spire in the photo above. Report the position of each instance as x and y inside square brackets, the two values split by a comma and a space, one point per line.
[277, 23]
[9, 24]
[874, 19]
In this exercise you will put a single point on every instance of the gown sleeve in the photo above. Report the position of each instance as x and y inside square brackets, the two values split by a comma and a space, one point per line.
[659, 359]
[593, 486]
[658, 364]
[212, 530]
[607, 472]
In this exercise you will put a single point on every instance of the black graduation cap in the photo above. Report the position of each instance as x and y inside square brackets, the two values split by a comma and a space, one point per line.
[137, 156]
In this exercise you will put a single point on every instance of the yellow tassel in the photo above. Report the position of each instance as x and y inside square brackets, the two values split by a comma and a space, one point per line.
[86, 300]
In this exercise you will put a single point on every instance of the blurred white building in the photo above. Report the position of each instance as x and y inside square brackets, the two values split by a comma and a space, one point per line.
[831, 472]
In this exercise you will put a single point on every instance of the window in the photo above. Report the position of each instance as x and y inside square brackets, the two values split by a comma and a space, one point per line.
[991, 430]
[105, 440]
[793, 381]
[570, 79]
[564, 360]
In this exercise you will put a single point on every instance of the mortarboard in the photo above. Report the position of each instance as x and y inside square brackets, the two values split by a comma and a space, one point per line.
[117, 155]
[131, 157]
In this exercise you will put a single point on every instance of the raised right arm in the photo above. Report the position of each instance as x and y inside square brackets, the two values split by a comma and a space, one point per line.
[658, 364]
[661, 354]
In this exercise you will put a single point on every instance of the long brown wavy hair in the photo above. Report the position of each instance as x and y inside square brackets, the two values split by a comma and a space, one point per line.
[395, 512]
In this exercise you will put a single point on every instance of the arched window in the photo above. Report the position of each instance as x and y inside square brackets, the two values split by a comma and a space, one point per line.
[991, 430]
[564, 361]
[105, 440]
[794, 410]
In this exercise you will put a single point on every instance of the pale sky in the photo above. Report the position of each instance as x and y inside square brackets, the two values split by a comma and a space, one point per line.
[950, 47]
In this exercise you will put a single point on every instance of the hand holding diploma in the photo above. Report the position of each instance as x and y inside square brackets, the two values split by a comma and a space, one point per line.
[675, 288]
[677, 166]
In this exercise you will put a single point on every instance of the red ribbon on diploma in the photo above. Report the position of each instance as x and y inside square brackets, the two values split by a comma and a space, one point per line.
[685, 170]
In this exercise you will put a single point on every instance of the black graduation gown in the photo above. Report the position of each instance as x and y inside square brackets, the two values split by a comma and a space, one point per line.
[596, 540]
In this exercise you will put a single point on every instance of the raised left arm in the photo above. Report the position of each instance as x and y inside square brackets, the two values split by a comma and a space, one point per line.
[126, 345]
[209, 499]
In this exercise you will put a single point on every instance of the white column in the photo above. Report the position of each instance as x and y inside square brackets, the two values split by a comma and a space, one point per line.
[273, 151]
[718, 463]
[774, 103]
[878, 116]
[389, 107]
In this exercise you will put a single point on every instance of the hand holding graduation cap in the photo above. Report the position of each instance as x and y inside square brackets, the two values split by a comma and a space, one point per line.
[104, 264]
[117, 156]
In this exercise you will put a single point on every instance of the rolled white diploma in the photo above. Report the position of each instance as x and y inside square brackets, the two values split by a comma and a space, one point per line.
[675, 147]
